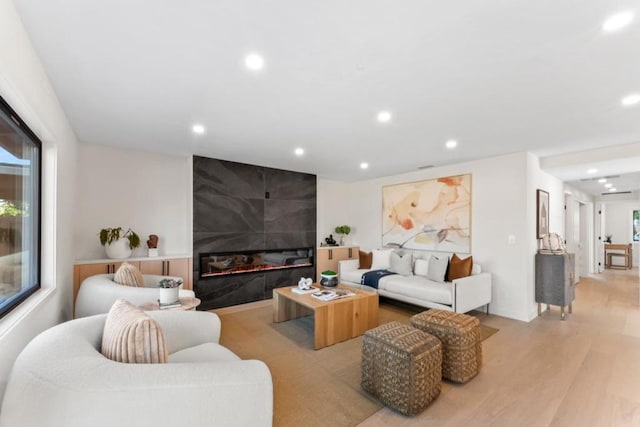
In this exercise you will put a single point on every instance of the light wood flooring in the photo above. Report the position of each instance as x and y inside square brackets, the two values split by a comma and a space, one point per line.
[584, 371]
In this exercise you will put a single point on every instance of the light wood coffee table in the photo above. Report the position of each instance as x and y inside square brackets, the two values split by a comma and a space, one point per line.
[186, 304]
[334, 321]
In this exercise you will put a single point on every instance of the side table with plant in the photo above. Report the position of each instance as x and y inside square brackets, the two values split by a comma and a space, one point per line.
[169, 291]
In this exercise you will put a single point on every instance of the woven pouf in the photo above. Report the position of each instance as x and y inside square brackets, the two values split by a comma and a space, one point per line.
[401, 366]
[461, 344]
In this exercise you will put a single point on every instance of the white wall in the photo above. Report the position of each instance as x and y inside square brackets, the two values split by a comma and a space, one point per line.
[24, 85]
[538, 179]
[498, 210]
[147, 192]
[618, 223]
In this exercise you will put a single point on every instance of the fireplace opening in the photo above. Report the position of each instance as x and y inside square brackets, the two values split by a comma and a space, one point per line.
[224, 263]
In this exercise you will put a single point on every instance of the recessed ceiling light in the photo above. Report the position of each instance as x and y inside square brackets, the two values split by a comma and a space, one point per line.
[592, 170]
[609, 185]
[364, 165]
[602, 180]
[630, 100]
[617, 22]
[612, 190]
[384, 116]
[299, 151]
[198, 129]
[451, 144]
[253, 61]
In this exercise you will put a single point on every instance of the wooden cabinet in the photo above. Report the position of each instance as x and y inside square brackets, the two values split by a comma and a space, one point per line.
[180, 267]
[555, 281]
[327, 257]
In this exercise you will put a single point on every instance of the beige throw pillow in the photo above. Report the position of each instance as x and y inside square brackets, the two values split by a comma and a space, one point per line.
[128, 275]
[130, 336]
[401, 263]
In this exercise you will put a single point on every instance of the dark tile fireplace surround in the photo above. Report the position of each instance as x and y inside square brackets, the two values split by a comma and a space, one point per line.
[239, 211]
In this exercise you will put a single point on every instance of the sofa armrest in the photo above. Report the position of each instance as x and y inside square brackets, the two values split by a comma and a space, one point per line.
[348, 265]
[184, 329]
[471, 292]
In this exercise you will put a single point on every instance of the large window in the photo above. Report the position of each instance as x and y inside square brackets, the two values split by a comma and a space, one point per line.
[636, 226]
[20, 160]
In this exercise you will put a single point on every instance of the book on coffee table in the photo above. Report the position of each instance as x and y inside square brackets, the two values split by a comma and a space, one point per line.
[330, 295]
[304, 291]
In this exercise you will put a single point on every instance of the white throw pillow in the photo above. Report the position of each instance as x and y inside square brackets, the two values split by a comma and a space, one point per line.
[438, 268]
[400, 264]
[381, 259]
[421, 267]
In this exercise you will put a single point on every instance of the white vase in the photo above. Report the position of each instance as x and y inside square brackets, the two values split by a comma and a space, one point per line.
[169, 295]
[119, 249]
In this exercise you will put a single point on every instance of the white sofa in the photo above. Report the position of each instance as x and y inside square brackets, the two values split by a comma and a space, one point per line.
[460, 295]
[98, 293]
[62, 379]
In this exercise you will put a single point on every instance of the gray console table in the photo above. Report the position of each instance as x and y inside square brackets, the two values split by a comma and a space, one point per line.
[555, 282]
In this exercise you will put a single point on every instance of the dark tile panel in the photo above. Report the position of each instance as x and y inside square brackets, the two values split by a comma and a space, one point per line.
[289, 215]
[230, 290]
[225, 242]
[284, 278]
[227, 214]
[288, 185]
[220, 177]
[291, 240]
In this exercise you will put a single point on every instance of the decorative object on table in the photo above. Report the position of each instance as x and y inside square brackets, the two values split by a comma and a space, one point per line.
[305, 283]
[152, 245]
[330, 241]
[430, 215]
[343, 230]
[119, 244]
[169, 289]
[542, 213]
[329, 278]
[304, 286]
[330, 295]
[607, 238]
[552, 243]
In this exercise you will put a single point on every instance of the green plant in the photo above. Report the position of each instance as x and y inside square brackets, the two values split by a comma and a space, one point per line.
[343, 229]
[110, 235]
[169, 283]
[329, 273]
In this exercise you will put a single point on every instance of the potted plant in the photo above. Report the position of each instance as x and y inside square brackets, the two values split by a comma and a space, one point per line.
[329, 278]
[119, 244]
[343, 230]
[169, 291]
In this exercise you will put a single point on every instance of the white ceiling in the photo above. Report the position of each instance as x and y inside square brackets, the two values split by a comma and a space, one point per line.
[498, 76]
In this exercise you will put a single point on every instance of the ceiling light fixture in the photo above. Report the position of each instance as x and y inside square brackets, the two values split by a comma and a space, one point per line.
[299, 151]
[592, 171]
[451, 144]
[630, 100]
[612, 190]
[364, 165]
[617, 22]
[609, 185]
[384, 116]
[254, 62]
[602, 180]
[197, 129]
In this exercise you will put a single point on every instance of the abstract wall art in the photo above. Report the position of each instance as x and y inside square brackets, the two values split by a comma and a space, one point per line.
[430, 215]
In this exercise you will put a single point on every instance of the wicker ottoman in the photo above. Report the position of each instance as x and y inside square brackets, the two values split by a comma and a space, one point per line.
[461, 344]
[401, 365]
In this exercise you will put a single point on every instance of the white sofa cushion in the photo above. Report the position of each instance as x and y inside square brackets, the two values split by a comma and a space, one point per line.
[421, 267]
[381, 259]
[418, 287]
[437, 268]
[206, 352]
[400, 263]
[354, 276]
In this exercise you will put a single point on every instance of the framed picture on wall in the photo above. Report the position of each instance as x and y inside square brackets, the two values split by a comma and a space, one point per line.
[542, 213]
